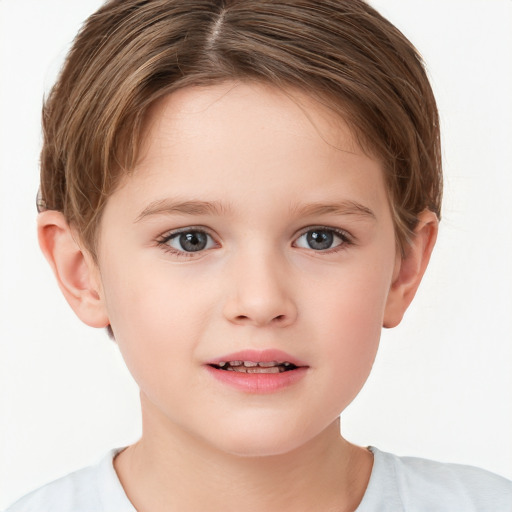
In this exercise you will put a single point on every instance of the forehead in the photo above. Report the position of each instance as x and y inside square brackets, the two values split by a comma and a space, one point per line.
[245, 112]
[236, 140]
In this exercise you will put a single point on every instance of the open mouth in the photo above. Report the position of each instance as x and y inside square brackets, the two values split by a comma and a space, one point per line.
[255, 367]
[258, 371]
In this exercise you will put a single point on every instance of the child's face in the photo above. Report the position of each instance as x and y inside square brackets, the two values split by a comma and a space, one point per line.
[286, 243]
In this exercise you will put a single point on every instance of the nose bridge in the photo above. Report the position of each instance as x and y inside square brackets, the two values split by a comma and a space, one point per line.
[260, 288]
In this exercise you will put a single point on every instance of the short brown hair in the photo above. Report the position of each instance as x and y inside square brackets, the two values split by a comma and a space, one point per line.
[131, 53]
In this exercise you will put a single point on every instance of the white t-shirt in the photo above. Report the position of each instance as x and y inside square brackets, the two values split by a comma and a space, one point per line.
[397, 484]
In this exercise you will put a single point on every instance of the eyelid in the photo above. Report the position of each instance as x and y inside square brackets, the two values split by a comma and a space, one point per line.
[342, 233]
[347, 239]
[162, 240]
[167, 235]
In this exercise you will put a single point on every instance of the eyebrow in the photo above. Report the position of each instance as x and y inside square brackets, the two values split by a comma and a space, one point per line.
[337, 208]
[193, 207]
[170, 206]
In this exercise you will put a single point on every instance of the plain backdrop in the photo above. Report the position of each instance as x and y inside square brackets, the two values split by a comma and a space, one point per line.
[442, 383]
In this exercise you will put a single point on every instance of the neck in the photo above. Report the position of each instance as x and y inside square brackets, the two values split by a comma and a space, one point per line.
[176, 471]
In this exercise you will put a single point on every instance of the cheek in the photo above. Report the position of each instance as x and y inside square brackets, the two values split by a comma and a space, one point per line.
[146, 297]
[349, 322]
[157, 317]
[350, 305]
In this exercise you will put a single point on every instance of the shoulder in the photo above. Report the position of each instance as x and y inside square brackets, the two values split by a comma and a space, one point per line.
[424, 485]
[91, 489]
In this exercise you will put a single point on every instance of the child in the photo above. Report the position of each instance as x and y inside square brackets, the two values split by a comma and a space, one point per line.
[243, 193]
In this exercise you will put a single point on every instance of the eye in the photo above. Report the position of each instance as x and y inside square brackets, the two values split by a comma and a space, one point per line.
[322, 239]
[188, 241]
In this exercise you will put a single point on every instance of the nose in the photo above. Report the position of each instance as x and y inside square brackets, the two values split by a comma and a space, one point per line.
[259, 292]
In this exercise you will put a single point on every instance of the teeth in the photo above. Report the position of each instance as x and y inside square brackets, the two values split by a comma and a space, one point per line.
[258, 369]
[268, 364]
[255, 367]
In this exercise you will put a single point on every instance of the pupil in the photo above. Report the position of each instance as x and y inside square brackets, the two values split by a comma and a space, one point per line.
[195, 241]
[320, 239]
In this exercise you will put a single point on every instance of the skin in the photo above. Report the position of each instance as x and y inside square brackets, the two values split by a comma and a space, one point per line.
[267, 159]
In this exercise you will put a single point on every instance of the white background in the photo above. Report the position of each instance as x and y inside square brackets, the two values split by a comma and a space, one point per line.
[442, 383]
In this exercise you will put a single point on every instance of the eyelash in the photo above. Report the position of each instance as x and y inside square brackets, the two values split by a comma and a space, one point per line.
[346, 238]
[163, 242]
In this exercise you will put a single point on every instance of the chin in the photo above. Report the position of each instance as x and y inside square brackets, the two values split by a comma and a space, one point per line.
[263, 439]
[259, 448]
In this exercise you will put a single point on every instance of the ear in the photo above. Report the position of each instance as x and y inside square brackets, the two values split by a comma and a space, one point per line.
[410, 268]
[75, 270]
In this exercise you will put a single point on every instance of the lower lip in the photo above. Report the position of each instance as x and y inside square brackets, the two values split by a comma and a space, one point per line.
[260, 383]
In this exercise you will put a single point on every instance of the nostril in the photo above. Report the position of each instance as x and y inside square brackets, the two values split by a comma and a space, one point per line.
[244, 318]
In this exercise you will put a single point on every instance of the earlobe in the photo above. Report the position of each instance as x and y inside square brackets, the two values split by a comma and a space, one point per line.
[74, 269]
[410, 269]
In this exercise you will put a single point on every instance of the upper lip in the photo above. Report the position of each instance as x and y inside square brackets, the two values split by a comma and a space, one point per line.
[258, 356]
